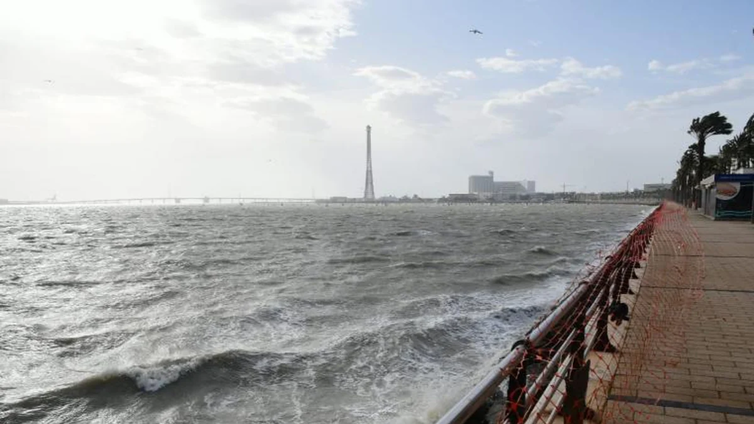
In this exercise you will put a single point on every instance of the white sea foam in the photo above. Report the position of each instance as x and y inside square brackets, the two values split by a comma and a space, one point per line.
[151, 379]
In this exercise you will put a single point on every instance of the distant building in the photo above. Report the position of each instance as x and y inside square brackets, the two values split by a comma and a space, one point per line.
[650, 188]
[388, 199]
[507, 189]
[486, 186]
[482, 184]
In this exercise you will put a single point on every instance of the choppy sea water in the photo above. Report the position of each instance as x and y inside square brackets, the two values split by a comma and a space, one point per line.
[270, 314]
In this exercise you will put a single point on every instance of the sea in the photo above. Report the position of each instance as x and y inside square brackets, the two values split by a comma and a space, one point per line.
[275, 313]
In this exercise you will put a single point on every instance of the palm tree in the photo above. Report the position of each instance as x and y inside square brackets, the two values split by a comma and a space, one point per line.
[728, 152]
[715, 164]
[749, 127]
[701, 129]
[737, 147]
[704, 127]
[746, 144]
[683, 184]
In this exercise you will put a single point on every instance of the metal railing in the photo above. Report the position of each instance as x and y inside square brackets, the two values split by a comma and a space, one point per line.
[586, 310]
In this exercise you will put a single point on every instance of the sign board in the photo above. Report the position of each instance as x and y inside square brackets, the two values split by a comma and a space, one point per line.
[734, 178]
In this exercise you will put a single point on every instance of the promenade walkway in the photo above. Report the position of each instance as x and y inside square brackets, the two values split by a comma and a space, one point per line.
[700, 368]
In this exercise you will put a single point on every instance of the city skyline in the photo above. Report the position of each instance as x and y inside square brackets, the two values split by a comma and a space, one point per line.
[269, 98]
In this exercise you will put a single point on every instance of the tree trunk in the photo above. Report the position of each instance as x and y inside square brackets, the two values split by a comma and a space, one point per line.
[697, 193]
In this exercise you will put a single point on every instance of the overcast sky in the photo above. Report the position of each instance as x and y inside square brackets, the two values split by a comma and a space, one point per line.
[104, 99]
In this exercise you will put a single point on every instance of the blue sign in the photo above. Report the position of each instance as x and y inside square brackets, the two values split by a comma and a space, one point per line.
[734, 178]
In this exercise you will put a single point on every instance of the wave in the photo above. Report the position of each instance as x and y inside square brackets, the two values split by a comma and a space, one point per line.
[137, 245]
[476, 263]
[109, 229]
[541, 250]
[561, 260]
[505, 232]
[407, 233]
[151, 379]
[358, 259]
[531, 276]
[67, 283]
[420, 265]
[186, 264]
[233, 365]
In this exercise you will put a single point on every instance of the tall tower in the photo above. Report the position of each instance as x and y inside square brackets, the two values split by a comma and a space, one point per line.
[369, 185]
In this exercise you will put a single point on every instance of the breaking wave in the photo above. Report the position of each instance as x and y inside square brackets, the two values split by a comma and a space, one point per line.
[541, 250]
[531, 276]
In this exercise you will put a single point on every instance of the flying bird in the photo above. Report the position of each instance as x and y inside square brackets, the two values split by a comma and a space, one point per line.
[49, 81]
[475, 31]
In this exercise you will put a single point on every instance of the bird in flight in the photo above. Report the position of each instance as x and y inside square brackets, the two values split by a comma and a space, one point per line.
[475, 31]
[49, 81]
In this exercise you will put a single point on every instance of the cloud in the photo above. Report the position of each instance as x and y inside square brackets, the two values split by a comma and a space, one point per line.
[655, 65]
[510, 53]
[536, 111]
[282, 31]
[684, 67]
[419, 108]
[405, 95]
[729, 57]
[186, 56]
[181, 29]
[467, 75]
[732, 89]
[283, 112]
[512, 66]
[679, 68]
[392, 76]
[535, 43]
[571, 66]
[244, 72]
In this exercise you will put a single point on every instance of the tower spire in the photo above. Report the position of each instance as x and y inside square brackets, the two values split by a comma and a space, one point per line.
[369, 185]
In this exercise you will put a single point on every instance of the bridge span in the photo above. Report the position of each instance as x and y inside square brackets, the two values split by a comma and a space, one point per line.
[172, 200]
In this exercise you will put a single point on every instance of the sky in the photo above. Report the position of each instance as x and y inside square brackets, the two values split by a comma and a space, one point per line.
[264, 98]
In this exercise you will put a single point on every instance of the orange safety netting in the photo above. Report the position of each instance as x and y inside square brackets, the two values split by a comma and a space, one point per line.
[607, 348]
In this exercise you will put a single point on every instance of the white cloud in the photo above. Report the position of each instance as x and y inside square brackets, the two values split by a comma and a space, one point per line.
[512, 66]
[282, 30]
[393, 77]
[462, 74]
[284, 113]
[535, 43]
[732, 89]
[571, 66]
[655, 65]
[187, 55]
[688, 66]
[406, 95]
[729, 57]
[510, 53]
[536, 111]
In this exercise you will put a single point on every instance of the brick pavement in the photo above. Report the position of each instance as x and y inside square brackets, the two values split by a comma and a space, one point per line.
[701, 370]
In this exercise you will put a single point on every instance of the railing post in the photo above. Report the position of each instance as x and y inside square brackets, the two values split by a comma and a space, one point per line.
[574, 404]
[602, 343]
[515, 407]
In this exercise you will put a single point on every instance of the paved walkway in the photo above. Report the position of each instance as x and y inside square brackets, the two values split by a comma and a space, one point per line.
[702, 370]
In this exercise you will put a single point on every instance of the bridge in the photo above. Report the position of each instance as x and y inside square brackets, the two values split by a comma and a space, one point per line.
[172, 200]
